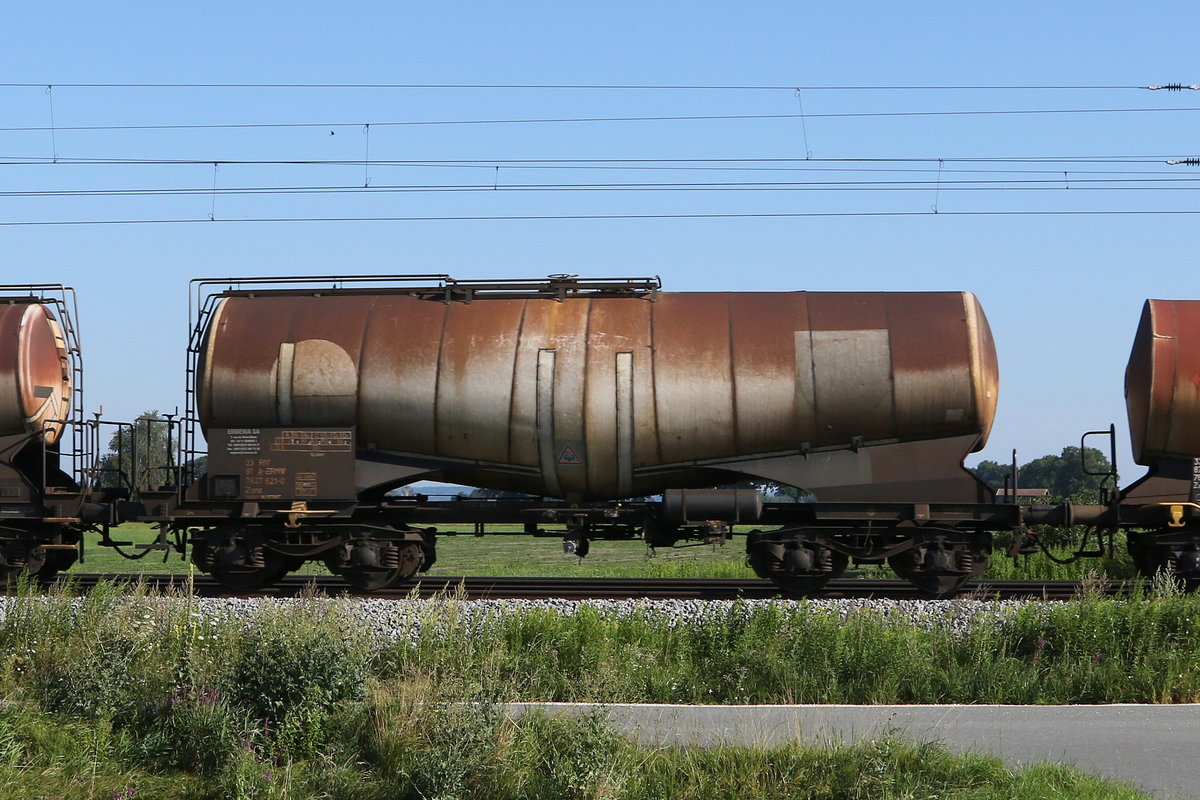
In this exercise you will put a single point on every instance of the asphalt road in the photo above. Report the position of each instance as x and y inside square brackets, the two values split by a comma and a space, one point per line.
[1154, 747]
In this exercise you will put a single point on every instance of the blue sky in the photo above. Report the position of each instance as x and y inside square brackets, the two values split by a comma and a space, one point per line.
[1063, 293]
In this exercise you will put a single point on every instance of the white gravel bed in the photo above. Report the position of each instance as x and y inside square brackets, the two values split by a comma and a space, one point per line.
[399, 619]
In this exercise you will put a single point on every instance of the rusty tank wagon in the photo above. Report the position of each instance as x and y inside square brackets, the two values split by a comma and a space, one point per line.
[591, 409]
[602, 408]
[318, 403]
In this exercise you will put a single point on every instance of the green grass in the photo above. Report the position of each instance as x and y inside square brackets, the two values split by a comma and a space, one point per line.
[119, 695]
[108, 650]
[1089, 651]
[388, 748]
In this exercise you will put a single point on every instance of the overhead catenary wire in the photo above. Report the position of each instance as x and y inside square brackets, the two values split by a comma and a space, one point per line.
[607, 86]
[571, 217]
[604, 163]
[575, 120]
[977, 185]
[969, 174]
[805, 166]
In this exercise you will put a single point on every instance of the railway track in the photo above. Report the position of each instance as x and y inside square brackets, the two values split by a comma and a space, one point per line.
[496, 588]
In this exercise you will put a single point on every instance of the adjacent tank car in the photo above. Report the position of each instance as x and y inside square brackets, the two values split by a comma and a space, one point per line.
[44, 502]
[1162, 391]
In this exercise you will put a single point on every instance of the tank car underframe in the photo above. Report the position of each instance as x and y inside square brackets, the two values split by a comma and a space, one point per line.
[936, 546]
[253, 519]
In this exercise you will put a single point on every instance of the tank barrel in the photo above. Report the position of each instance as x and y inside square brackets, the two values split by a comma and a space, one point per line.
[599, 390]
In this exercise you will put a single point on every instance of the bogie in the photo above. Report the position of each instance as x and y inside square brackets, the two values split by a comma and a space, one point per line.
[798, 562]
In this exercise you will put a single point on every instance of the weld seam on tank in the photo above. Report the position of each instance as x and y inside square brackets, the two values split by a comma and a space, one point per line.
[809, 367]
[658, 450]
[359, 394]
[437, 379]
[546, 368]
[587, 391]
[514, 381]
[969, 307]
[733, 387]
[624, 406]
[284, 376]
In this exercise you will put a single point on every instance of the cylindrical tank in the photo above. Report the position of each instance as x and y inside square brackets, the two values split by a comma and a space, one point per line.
[35, 371]
[1162, 382]
[601, 397]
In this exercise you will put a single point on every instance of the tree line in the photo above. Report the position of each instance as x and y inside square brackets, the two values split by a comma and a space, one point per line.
[1065, 475]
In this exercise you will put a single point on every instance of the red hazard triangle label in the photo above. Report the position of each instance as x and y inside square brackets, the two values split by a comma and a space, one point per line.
[569, 456]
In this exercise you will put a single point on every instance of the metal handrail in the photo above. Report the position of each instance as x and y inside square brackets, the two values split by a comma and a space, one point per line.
[557, 284]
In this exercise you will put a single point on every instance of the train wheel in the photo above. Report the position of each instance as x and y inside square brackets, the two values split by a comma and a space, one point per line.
[376, 566]
[362, 580]
[240, 571]
[10, 577]
[249, 579]
[932, 584]
[1176, 554]
[939, 565]
[802, 586]
[797, 564]
[18, 559]
[56, 561]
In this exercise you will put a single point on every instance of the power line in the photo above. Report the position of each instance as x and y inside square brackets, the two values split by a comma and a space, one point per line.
[582, 163]
[1079, 173]
[569, 217]
[1075, 183]
[571, 120]
[579, 86]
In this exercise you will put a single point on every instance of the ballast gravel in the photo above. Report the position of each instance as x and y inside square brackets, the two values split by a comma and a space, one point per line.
[398, 620]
